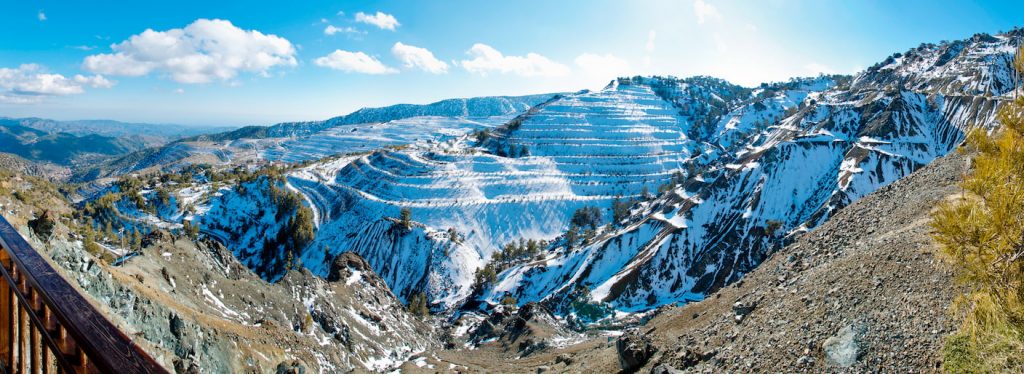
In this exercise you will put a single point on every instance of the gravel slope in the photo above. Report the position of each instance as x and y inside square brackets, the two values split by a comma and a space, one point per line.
[862, 293]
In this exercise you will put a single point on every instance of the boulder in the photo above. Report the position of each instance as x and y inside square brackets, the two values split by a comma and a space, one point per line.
[634, 350]
[346, 263]
[844, 349]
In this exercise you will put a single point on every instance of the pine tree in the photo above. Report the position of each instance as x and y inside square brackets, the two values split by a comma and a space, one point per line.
[418, 304]
[136, 240]
[89, 241]
[486, 276]
[620, 210]
[982, 236]
[532, 247]
[509, 301]
[571, 236]
[405, 218]
[108, 232]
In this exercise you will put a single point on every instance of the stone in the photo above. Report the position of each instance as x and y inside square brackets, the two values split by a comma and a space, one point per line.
[843, 349]
[742, 308]
[564, 359]
[665, 369]
[634, 350]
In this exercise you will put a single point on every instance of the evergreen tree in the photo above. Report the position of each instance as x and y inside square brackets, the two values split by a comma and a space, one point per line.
[486, 276]
[982, 237]
[453, 235]
[108, 231]
[164, 196]
[587, 216]
[191, 230]
[571, 236]
[89, 241]
[405, 218]
[136, 240]
[620, 210]
[418, 304]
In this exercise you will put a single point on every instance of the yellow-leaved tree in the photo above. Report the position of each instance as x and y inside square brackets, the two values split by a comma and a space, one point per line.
[982, 237]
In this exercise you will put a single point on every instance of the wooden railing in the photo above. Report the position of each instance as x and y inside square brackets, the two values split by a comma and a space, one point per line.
[47, 326]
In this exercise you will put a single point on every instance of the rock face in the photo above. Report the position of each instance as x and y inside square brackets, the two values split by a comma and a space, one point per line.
[526, 330]
[347, 264]
[844, 348]
[634, 350]
[196, 309]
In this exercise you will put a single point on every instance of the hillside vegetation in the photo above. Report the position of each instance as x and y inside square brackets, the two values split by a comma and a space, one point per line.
[982, 236]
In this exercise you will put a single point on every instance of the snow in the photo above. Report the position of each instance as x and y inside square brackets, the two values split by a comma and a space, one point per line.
[793, 152]
[355, 277]
[217, 303]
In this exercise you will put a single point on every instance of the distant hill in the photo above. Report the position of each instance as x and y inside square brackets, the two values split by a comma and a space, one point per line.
[149, 133]
[69, 143]
[475, 107]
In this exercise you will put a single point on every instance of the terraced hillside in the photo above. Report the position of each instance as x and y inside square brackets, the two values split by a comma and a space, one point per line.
[788, 178]
[738, 172]
[584, 149]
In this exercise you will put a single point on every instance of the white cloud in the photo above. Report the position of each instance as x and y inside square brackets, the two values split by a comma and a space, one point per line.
[95, 81]
[705, 11]
[419, 58]
[381, 20]
[486, 59]
[30, 83]
[651, 35]
[204, 51]
[353, 62]
[179, 91]
[41, 15]
[331, 30]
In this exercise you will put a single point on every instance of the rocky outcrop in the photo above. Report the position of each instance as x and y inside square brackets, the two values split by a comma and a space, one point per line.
[634, 350]
[196, 309]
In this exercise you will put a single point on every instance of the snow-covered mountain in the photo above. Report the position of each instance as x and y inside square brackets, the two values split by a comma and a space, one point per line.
[731, 173]
[841, 143]
[360, 131]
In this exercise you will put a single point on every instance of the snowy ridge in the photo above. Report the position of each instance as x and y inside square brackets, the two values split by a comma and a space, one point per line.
[759, 165]
[842, 145]
[582, 149]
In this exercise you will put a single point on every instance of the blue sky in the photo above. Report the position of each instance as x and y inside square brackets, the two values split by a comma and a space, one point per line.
[261, 62]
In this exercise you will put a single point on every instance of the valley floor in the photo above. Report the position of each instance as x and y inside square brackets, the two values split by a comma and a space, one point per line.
[862, 293]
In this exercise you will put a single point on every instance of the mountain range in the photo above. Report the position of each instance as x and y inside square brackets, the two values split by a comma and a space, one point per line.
[532, 224]
[714, 178]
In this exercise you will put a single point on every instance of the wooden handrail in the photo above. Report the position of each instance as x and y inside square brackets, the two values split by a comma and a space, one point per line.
[47, 325]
